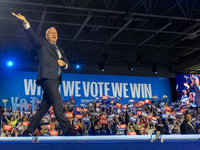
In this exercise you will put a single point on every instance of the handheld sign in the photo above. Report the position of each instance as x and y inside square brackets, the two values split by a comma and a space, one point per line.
[144, 114]
[78, 109]
[119, 105]
[132, 133]
[73, 101]
[165, 116]
[167, 108]
[25, 123]
[153, 120]
[132, 119]
[122, 126]
[49, 126]
[104, 121]
[53, 133]
[86, 119]
[147, 101]
[7, 127]
[104, 97]
[68, 114]
[79, 116]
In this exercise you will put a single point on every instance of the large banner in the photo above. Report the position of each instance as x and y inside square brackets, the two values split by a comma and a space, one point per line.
[85, 87]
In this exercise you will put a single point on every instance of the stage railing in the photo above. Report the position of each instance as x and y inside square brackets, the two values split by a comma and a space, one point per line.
[102, 138]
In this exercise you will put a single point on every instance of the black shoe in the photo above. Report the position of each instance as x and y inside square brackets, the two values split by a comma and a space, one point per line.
[27, 133]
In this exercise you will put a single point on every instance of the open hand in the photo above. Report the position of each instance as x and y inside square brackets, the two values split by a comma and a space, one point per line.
[20, 17]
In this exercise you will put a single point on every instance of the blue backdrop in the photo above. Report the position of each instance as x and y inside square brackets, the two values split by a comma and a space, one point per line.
[85, 87]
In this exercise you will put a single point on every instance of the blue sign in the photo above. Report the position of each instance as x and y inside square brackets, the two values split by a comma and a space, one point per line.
[84, 87]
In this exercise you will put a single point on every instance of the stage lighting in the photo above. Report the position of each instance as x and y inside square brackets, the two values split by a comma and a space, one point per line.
[154, 69]
[77, 66]
[130, 67]
[101, 66]
[10, 63]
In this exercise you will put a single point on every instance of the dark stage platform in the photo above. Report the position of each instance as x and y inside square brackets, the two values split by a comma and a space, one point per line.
[139, 142]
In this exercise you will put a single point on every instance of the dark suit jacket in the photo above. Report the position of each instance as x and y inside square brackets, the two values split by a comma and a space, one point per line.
[186, 128]
[47, 56]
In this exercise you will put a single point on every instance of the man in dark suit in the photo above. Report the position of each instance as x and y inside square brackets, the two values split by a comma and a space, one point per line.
[186, 126]
[52, 61]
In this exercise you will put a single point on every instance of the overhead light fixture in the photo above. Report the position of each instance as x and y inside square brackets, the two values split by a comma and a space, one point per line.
[101, 66]
[154, 69]
[130, 67]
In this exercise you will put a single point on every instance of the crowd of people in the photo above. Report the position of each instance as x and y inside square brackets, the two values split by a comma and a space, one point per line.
[107, 116]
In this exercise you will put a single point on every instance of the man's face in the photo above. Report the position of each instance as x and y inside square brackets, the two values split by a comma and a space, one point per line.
[188, 117]
[52, 35]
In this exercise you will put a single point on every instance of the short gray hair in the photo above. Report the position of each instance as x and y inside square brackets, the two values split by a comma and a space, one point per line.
[49, 29]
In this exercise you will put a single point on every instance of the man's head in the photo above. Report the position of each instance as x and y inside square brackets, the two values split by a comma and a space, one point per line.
[52, 35]
[188, 117]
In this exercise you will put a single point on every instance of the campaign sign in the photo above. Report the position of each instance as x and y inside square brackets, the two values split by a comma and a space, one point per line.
[78, 109]
[131, 100]
[111, 116]
[167, 108]
[49, 126]
[79, 116]
[52, 115]
[139, 108]
[144, 114]
[122, 126]
[53, 133]
[94, 114]
[86, 119]
[25, 123]
[104, 97]
[153, 107]
[85, 109]
[27, 112]
[112, 102]
[119, 105]
[73, 101]
[139, 113]
[165, 116]
[183, 110]
[120, 131]
[68, 114]
[130, 106]
[124, 106]
[159, 110]
[132, 119]
[7, 127]
[132, 133]
[147, 101]
[85, 87]
[172, 117]
[149, 115]
[104, 121]
[153, 120]
[118, 111]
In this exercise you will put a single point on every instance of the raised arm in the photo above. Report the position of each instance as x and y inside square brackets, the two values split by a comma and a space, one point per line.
[31, 34]
[20, 17]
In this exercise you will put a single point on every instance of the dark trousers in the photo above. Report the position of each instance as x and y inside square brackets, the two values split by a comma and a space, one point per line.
[51, 96]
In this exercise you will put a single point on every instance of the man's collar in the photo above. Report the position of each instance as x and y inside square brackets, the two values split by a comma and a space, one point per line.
[51, 42]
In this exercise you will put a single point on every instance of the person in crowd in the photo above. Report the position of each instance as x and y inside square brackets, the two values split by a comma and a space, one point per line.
[187, 127]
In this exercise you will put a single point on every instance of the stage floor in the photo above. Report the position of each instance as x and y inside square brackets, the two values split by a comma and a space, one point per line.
[170, 142]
